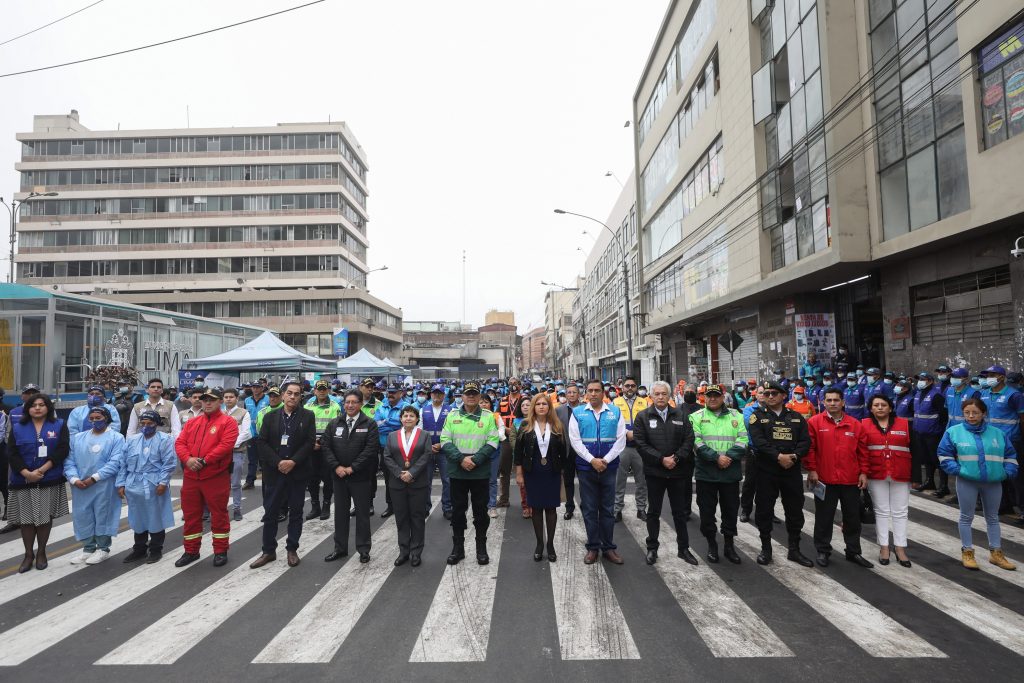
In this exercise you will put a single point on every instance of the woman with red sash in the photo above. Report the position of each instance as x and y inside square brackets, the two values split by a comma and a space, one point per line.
[407, 458]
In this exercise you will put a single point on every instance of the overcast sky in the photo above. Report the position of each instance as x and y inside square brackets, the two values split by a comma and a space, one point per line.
[478, 117]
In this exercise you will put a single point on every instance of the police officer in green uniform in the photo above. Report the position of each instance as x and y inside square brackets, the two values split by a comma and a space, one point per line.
[469, 437]
[325, 409]
[780, 440]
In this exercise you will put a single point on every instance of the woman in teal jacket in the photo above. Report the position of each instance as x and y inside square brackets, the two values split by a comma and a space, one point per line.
[980, 457]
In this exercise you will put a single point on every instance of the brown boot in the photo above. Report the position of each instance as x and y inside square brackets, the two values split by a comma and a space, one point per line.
[967, 559]
[997, 558]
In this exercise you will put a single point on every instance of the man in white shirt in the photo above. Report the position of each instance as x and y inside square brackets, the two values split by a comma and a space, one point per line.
[598, 436]
[155, 401]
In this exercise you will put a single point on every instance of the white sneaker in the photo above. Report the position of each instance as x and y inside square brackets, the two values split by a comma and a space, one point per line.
[492, 512]
[98, 556]
[81, 557]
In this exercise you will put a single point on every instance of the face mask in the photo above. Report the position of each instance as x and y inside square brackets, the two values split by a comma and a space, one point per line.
[798, 398]
[899, 390]
[198, 385]
[148, 430]
[887, 381]
[642, 393]
[975, 385]
[94, 401]
[777, 375]
[991, 381]
[943, 377]
[860, 373]
[872, 380]
[408, 394]
[851, 382]
[421, 400]
[612, 394]
[809, 382]
[956, 381]
[921, 384]
[98, 425]
[561, 399]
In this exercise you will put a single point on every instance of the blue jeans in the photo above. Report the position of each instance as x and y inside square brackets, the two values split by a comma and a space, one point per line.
[94, 543]
[967, 495]
[597, 501]
[492, 499]
[439, 461]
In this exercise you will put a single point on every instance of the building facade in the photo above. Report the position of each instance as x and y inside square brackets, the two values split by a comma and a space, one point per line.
[820, 172]
[434, 349]
[262, 225]
[558, 329]
[534, 356]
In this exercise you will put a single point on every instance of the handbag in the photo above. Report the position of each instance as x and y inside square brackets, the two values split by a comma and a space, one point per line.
[867, 508]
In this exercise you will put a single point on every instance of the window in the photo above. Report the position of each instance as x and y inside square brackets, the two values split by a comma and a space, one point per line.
[977, 307]
[1002, 86]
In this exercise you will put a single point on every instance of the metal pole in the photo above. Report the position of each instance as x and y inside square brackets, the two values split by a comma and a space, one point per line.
[629, 321]
[11, 209]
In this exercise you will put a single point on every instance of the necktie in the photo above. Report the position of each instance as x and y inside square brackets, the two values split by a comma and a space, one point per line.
[349, 427]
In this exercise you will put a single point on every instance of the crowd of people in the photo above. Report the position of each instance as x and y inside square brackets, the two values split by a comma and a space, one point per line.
[856, 439]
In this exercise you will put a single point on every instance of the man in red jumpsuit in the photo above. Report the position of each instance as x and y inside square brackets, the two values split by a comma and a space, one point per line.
[204, 448]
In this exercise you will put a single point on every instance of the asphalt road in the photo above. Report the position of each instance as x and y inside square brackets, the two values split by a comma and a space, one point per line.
[515, 617]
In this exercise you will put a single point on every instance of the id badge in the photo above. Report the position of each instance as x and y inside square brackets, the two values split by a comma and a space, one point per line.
[338, 431]
[42, 453]
[284, 439]
[654, 423]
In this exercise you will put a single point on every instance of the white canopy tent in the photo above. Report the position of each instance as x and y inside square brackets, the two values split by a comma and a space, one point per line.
[363, 363]
[265, 352]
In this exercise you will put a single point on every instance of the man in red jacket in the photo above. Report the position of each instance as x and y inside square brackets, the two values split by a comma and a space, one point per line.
[838, 459]
[204, 448]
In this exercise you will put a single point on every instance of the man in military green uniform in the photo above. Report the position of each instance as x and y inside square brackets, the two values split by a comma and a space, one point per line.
[369, 400]
[780, 440]
[469, 436]
[325, 409]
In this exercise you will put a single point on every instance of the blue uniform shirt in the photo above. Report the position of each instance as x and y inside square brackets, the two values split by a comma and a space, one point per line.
[1004, 410]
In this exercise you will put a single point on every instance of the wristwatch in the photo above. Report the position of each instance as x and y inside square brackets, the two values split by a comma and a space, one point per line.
[202, 461]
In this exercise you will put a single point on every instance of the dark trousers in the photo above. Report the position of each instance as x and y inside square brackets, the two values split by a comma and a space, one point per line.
[678, 497]
[282, 488]
[504, 472]
[749, 482]
[254, 461]
[924, 453]
[711, 495]
[790, 486]
[847, 495]
[411, 517]
[153, 540]
[346, 492]
[373, 481]
[464, 490]
[569, 481]
[597, 501]
[1017, 486]
[320, 474]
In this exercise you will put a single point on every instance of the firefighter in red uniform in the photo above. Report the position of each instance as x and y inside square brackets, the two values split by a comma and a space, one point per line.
[204, 448]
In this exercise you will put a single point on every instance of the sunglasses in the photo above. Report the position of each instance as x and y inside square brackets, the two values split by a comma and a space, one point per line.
[772, 393]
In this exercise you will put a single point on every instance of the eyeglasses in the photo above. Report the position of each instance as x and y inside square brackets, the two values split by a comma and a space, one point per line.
[629, 386]
[772, 393]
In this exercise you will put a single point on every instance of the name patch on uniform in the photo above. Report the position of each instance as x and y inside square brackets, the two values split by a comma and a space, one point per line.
[849, 434]
[338, 431]
[735, 424]
[783, 433]
[654, 423]
[676, 422]
[900, 433]
[364, 429]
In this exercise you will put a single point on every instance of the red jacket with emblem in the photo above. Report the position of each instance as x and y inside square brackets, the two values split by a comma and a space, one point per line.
[839, 452]
[888, 453]
[211, 437]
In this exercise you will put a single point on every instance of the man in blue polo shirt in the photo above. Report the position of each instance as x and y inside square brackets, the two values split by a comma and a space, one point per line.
[1005, 411]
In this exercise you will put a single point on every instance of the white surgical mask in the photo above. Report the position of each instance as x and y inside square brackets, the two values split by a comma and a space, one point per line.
[899, 390]
[851, 382]
[921, 384]
[860, 373]
[943, 377]
[991, 381]
[887, 381]
[799, 398]
[956, 381]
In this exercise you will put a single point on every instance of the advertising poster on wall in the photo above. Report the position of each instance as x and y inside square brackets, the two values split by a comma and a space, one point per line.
[815, 332]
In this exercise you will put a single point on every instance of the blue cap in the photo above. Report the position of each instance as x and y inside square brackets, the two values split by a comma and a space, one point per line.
[961, 373]
[994, 370]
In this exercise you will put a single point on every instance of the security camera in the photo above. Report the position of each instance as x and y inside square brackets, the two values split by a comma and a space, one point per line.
[1017, 251]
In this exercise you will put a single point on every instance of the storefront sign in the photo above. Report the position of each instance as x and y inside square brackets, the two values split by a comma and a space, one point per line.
[160, 356]
[815, 332]
[1002, 48]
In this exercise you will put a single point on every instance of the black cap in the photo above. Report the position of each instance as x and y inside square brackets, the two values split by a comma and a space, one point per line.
[30, 389]
[471, 386]
[943, 368]
[769, 386]
[151, 415]
[925, 375]
[322, 384]
[276, 391]
[367, 382]
[100, 409]
[212, 393]
[713, 389]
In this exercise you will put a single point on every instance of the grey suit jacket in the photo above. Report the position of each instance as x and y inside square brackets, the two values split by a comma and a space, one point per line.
[419, 461]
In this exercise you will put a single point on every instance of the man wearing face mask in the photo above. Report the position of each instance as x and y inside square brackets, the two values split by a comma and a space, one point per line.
[875, 387]
[958, 392]
[903, 396]
[1005, 411]
[943, 374]
[927, 429]
[96, 398]
[842, 357]
[853, 397]
[630, 405]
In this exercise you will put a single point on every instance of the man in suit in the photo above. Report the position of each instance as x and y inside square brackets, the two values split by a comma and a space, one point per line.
[564, 413]
[664, 439]
[286, 448]
[350, 444]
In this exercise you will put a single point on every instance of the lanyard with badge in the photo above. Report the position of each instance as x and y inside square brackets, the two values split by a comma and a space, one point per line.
[286, 422]
[41, 452]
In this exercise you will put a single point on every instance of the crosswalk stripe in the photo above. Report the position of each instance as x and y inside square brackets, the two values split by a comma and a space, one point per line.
[458, 625]
[26, 640]
[217, 603]
[991, 620]
[953, 514]
[336, 608]
[590, 622]
[874, 631]
[14, 547]
[16, 585]
[726, 624]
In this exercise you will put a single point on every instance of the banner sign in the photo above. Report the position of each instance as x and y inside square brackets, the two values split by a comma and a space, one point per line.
[340, 342]
[815, 332]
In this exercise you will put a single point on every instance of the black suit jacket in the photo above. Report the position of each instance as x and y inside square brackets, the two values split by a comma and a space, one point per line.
[419, 461]
[358, 450]
[301, 440]
[673, 436]
[527, 446]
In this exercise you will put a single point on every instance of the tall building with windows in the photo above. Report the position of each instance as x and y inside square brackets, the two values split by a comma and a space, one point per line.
[815, 172]
[259, 225]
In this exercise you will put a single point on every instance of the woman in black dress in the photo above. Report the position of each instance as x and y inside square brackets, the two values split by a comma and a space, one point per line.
[539, 456]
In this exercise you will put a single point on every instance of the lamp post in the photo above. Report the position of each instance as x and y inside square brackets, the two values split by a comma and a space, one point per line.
[625, 284]
[12, 209]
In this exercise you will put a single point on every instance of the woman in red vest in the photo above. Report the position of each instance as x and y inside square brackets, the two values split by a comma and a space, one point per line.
[888, 440]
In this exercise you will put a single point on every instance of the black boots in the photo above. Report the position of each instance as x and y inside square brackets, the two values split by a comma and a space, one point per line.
[458, 550]
[481, 551]
[765, 556]
[730, 551]
[712, 550]
[325, 511]
[314, 511]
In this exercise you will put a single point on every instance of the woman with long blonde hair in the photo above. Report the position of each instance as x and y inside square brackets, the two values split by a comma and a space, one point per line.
[539, 457]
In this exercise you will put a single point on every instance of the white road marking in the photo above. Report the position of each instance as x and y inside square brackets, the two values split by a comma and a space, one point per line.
[925, 504]
[728, 626]
[991, 620]
[29, 639]
[14, 547]
[871, 629]
[458, 624]
[217, 603]
[590, 622]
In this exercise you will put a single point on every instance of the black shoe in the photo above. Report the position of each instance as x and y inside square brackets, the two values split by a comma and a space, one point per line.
[448, 515]
[794, 555]
[730, 552]
[236, 515]
[764, 557]
[884, 561]
[942, 493]
[154, 556]
[336, 555]
[904, 563]
[248, 485]
[458, 552]
[568, 514]
[652, 556]
[929, 486]
[481, 551]
[712, 552]
[325, 512]
[402, 559]
[822, 559]
[352, 512]
[538, 552]
[387, 512]
[685, 555]
[858, 559]
[744, 516]
[220, 559]
[281, 517]
[364, 558]
[134, 556]
[313, 513]
[552, 555]
[618, 516]
[187, 558]
[641, 515]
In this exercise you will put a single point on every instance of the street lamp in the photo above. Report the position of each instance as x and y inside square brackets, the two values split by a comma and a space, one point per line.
[625, 283]
[12, 209]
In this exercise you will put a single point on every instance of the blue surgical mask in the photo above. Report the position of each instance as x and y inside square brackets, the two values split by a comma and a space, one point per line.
[198, 385]
[991, 381]
[900, 390]
[809, 382]
[95, 401]
[872, 380]
[148, 430]
[851, 382]
[860, 373]
[956, 381]
[98, 425]
[922, 384]
[887, 381]
[612, 394]
[943, 377]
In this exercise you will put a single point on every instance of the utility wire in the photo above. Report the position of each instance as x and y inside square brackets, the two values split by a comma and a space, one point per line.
[163, 42]
[55, 21]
